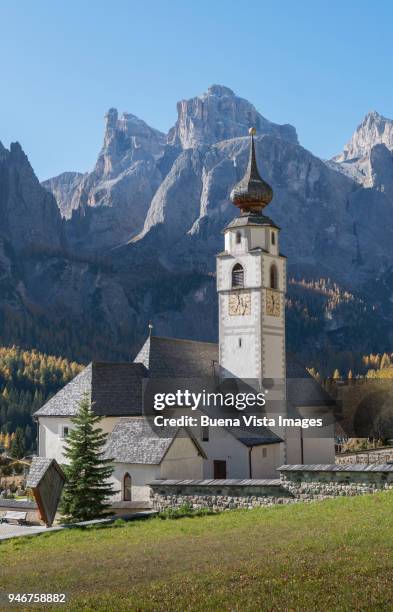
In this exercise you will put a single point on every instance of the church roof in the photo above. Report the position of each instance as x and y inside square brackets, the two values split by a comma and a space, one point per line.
[134, 441]
[115, 390]
[170, 357]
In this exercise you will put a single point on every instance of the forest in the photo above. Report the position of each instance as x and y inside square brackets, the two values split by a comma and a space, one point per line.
[27, 380]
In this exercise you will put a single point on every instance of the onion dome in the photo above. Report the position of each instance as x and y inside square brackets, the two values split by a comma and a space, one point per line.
[252, 193]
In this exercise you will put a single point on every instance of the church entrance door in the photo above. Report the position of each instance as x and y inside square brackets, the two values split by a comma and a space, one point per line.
[127, 488]
[220, 469]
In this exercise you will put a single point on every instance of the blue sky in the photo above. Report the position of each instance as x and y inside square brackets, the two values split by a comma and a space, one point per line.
[318, 65]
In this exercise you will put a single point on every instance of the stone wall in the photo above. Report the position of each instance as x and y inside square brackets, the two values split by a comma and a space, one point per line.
[297, 483]
[218, 494]
[377, 456]
[321, 482]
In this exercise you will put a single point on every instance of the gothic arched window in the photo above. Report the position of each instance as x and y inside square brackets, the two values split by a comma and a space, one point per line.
[273, 238]
[273, 277]
[237, 276]
[127, 487]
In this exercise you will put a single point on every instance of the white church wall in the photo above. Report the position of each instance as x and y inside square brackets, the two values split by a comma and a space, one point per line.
[51, 440]
[223, 446]
[141, 475]
[51, 435]
[315, 449]
[274, 351]
[280, 263]
[182, 461]
[293, 446]
[265, 460]
[319, 450]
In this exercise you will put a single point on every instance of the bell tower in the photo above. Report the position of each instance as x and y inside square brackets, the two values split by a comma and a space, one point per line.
[251, 285]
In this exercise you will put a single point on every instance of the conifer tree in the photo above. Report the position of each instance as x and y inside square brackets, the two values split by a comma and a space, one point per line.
[86, 491]
[18, 448]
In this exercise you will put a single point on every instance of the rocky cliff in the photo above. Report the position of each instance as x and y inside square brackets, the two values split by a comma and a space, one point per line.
[63, 188]
[367, 157]
[219, 115]
[29, 216]
[374, 129]
[139, 233]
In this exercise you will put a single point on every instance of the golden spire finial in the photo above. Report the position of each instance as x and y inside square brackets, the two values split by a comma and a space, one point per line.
[252, 131]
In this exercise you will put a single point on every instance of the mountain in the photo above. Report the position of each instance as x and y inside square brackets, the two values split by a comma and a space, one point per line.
[374, 129]
[219, 115]
[112, 201]
[136, 238]
[63, 188]
[30, 219]
[109, 204]
[367, 157]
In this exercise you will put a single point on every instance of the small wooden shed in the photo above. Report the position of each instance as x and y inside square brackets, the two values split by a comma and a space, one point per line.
[46, 480]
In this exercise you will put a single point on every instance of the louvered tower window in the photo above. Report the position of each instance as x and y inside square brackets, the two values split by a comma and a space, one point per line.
[273, 277]
[237, 276]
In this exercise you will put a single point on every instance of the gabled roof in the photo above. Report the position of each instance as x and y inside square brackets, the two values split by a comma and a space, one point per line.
[115, 390]
[134, 441]
[38, 469]
[66, 401]
[170, 357]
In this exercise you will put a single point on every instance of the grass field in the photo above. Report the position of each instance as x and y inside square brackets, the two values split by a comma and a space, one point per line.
[330, 555]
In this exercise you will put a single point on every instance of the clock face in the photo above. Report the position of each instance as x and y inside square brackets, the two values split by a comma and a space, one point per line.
[239, 303]
[273, 303]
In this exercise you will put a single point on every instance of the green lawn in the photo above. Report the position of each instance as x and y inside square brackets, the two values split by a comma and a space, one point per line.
[330, 555]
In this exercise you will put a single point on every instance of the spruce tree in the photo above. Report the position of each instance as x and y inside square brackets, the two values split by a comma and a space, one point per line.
[86, 491]
[18, 448]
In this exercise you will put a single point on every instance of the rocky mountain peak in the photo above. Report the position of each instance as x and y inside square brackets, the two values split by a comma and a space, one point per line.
[29, 215]
[219, 90]
[219, 114]
[127, 137]
[374, 129]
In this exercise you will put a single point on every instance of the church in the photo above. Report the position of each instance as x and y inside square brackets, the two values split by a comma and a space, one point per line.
[251, 285]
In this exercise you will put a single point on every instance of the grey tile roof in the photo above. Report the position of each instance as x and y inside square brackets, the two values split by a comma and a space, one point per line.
[255, 482]
[170, 357]
[133, 441]
[115, 390]
[39, 467]
[66, 401]
[337, 467]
